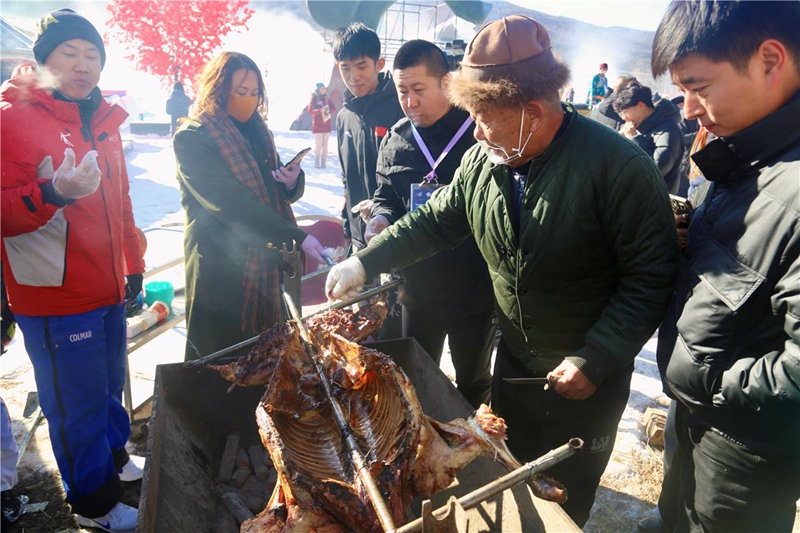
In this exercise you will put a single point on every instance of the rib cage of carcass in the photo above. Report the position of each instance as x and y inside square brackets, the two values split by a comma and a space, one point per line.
[408, 454]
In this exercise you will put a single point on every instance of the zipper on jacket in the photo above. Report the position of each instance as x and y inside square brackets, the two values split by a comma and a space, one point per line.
[88, 129]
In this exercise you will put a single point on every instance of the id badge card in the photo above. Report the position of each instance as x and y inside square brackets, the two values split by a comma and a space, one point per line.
[421, 193]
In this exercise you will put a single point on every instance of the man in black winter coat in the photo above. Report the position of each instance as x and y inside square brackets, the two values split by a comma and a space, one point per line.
[655, 128]
[370, 109]
[177, 106]
[729, 346]
[450, 293]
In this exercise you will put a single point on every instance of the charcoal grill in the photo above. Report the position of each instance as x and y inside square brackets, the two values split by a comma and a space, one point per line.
[193, 414]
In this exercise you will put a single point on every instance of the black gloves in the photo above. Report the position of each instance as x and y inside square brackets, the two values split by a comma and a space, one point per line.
[134, 283]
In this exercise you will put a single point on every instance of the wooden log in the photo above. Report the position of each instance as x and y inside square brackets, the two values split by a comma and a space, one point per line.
[237, 507]
[240, 476]
[241, 458]
[228, 460]
[257, 454]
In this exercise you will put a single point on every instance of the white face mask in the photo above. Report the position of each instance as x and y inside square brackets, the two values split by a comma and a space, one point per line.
[491, 149]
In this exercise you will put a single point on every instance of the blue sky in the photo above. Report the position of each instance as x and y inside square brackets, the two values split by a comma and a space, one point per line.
[639, 14]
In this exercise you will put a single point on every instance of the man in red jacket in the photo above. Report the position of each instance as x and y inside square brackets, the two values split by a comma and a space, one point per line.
[68, 240]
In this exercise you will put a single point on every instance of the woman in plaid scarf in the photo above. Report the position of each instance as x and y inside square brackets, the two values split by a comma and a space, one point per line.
[237, 197]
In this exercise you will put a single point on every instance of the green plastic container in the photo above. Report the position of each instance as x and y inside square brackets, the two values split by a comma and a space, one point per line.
[159, 291]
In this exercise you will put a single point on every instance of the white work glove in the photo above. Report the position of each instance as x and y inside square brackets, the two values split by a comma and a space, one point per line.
[375, 226]
[71, 182]
[45, 169]
[313, 249]
[345, 279]
[363, 208]
[287, 175]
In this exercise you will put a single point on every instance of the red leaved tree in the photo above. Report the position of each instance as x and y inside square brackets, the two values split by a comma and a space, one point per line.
[173, 39]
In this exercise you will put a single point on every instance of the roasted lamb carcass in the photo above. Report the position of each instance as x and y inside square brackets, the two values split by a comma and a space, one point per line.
[282, 340]
[407, 453]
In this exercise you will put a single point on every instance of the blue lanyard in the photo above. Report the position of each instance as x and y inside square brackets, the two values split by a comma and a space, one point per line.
[431, 176]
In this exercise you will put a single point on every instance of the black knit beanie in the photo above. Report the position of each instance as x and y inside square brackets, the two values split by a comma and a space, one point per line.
[64, 25]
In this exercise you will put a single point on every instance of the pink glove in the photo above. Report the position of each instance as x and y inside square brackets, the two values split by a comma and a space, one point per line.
[287, 175]
[313, 249]
[375, 226]
[363, 208]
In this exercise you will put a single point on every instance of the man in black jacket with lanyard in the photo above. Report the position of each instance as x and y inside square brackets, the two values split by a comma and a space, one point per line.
[449, 293]
[729, 347]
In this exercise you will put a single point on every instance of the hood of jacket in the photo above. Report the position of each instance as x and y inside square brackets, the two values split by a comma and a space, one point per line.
[752, 148]
[664, 113]
[29, 90]
[606, 108]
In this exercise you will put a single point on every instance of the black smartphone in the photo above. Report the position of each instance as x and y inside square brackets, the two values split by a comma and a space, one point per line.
[680, 205]
[299, 157]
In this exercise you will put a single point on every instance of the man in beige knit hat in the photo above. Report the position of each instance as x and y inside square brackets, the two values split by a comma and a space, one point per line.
[574, 223]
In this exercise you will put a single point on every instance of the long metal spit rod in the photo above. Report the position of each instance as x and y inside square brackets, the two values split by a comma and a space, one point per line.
[366, 295]
[249, 342]
[521, 474]
[375, 496]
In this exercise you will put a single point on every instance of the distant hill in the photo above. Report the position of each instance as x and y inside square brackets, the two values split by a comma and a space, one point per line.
[582, 45]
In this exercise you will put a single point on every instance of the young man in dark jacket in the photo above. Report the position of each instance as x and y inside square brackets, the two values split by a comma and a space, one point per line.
[729, 347]
[450, 293]
[575, 227]
[370, 108]
[655, 128]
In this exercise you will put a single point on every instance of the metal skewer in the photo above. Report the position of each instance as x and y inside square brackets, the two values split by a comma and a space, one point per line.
[251, 341]
[374, 494]
[521, 474]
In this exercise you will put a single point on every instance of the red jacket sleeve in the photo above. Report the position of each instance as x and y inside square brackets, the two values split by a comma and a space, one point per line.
[23, 209]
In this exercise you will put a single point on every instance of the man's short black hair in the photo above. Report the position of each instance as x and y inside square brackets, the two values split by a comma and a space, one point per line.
[419, 52]
[355, 41]
[632, 95]
[724, 31]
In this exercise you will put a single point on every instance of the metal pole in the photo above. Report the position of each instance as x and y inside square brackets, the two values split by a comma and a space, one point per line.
[249, 342]
[374, 494]
[521, 474]
[360, 298]
[24, 444]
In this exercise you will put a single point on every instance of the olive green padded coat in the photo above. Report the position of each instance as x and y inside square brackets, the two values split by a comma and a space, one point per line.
[591, 273]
